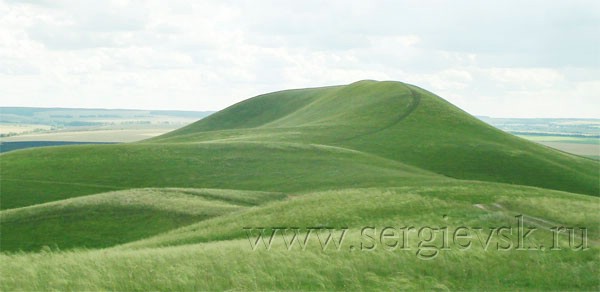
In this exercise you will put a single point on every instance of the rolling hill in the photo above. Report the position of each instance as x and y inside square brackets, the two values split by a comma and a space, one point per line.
[170, 213]
[399, 122]
[117, 217]
[387, 124]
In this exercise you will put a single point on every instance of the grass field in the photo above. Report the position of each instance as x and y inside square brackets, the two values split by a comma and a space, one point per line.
[182, 211]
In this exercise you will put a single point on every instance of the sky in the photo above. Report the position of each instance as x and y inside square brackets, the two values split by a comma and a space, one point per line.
[493, 58]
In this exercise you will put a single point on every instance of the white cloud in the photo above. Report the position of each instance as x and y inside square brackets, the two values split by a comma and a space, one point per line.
[489, 59]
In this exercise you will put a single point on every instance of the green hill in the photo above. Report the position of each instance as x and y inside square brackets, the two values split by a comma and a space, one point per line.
[170, 213]
[398, 122]
[47, 174]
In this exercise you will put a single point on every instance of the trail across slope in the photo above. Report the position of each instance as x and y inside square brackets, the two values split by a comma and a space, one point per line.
[416, 99]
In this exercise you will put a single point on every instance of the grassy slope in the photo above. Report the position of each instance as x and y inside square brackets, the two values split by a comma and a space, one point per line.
[467, 148]
[402, 123]
[81, 170]
[117, 217]
[410, 205]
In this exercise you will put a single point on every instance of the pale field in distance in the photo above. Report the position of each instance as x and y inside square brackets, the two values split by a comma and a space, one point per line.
[126, 135]
[90, 125]
[21, 128]
[575, 148]
[589, 147]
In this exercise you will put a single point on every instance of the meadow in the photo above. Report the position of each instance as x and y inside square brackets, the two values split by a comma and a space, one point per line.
[173, 212]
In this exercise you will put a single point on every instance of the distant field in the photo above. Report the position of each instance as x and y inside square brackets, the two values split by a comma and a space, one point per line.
[564, 139]
[11, 146]
[21, 128]
[575, 148]
[75, 125]
[62, 125]
[589, 147]
[73, 117]
[547, 126]
[127, 135]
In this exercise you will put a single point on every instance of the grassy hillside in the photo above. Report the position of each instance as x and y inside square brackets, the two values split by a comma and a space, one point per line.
[407, 206]
[399, 122]
[170, 213]
[43, 175]
[117, 217]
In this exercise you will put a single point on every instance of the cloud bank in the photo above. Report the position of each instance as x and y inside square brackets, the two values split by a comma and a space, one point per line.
[502, 59]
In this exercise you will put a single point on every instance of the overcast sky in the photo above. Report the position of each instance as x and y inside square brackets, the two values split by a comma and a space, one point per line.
[501, 59]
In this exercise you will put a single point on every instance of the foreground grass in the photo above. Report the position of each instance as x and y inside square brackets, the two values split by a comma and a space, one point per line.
[463, 203]
[215, 254]
[231, 265]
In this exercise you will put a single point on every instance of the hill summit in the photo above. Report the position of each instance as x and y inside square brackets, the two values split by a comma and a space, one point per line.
[400, 122]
